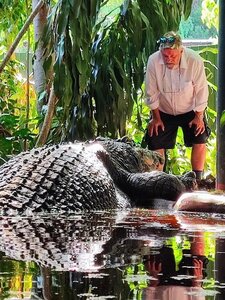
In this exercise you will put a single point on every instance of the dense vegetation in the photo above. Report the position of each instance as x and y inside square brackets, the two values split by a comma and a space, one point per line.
[193, 27]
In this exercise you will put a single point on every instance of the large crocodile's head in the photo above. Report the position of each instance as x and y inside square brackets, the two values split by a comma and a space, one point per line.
[129, 157]
[150, 160]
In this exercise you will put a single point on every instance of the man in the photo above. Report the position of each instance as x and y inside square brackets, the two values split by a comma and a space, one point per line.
[177, 94]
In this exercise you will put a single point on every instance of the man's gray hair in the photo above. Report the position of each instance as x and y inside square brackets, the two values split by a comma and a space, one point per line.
[173, 45]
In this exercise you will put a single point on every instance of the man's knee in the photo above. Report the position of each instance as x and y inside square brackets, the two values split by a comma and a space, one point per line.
[199, 147]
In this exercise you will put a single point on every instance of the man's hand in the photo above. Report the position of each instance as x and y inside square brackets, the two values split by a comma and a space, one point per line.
[154, 125]
[198, 267]
[199, 124]
[154, 269]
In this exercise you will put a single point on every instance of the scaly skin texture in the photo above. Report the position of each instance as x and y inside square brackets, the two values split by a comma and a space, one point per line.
[104, 174]
[65, 177]
[78, 242]
[54, 241]
[141, 187]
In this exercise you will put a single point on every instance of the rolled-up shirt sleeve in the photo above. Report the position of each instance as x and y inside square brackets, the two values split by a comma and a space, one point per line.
[151, 87]
[200, 86]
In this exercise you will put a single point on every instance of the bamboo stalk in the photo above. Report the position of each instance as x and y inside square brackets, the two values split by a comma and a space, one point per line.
[25, 145]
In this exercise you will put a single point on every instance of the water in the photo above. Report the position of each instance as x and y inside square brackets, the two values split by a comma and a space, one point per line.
[134, 254]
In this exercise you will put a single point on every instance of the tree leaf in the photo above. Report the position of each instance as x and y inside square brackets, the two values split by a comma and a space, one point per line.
[222, 119]
[187, 8]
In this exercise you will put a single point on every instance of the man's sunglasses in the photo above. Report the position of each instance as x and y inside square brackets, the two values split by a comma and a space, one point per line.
[164, 40]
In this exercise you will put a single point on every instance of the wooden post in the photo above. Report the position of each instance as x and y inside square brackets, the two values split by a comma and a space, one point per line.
[220, 167]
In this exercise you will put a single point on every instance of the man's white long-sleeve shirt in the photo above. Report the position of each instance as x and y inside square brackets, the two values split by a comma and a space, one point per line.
[176, 91]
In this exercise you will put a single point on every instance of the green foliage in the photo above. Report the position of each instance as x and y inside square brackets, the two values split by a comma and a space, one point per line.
[13, 131]
[137, 279]
[222, 119]
[210, 13]
[194, 27]
[69, 35]
[15, 134]
[13, 15]
[178, 159]
[119, 58]
[99, 67]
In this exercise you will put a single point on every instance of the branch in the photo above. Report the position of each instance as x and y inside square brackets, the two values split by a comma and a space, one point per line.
[48, 119]
[20, 34]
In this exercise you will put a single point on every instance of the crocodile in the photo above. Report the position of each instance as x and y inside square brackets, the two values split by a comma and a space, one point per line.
[80, 176]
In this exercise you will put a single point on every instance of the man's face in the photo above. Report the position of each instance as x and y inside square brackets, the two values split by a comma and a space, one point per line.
[171, 57]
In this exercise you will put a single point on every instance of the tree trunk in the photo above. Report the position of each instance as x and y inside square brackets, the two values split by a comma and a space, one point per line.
[40, 81]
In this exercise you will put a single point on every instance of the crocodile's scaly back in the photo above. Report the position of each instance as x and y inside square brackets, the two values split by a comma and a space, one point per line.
[64, 177]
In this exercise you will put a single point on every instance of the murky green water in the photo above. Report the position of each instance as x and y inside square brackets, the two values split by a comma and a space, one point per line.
[137, 254]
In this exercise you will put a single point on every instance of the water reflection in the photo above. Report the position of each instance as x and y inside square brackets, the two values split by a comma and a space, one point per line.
[137, 254]
[170, 280]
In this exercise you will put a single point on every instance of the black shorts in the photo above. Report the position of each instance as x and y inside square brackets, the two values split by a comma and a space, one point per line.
[167, 139]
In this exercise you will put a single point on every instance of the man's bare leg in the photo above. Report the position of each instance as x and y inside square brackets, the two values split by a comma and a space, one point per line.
[198, 156]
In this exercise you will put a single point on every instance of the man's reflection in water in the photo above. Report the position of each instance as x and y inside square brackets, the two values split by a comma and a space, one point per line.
[184, 282]
[219, 267]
